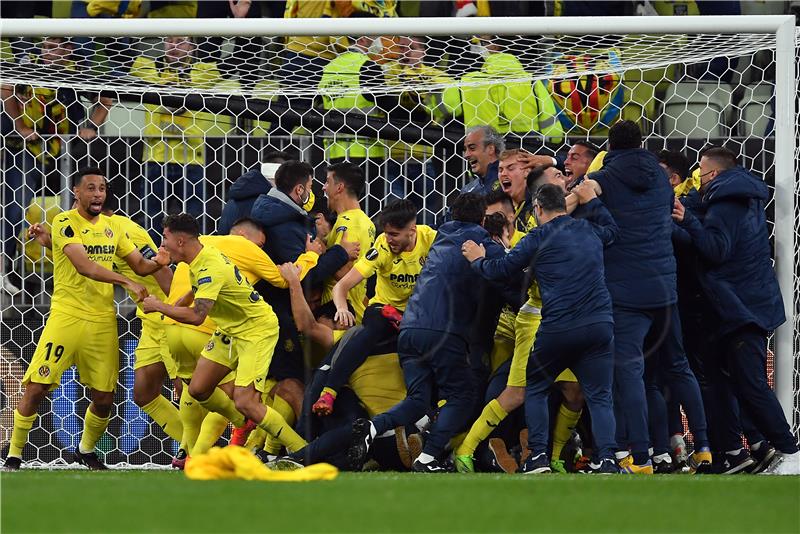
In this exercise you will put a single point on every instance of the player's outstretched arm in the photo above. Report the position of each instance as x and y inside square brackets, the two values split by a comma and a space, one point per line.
[194, 315]
[145, 267]
[339, 293]
[86, 267]
[301, 313]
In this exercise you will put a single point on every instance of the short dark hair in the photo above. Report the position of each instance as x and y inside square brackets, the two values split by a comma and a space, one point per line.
[624, 135]
[495, 224]
[350, 175]
[675, 161]
[590, 147]
[277, 156]
[722, 156]
[247, 221]
[498, 196]
[534, 179]
[292, 173]
[398, 214]
[77, 178]
[551, 198]
[181, 222]
[469, 207]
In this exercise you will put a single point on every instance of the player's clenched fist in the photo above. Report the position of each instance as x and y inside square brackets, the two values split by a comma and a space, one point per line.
[38, 232]
[150, 304]
[472, 251]
[290, 272]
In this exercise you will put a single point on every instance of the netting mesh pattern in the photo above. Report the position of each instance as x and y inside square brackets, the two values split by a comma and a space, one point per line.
[173, 122]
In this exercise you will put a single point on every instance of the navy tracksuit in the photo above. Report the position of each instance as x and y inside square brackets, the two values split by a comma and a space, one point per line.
[566, 257]
[434, 337]
[640, 274]
[736, 273]
[241, 197]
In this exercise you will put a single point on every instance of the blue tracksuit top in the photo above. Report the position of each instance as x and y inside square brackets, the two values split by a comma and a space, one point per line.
[566, 257]
[732, 243]
[448, 294]
[640, 264]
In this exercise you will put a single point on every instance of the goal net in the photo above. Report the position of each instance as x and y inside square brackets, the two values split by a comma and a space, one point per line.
[174, 117]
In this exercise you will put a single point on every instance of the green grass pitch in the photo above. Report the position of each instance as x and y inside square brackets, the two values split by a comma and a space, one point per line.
[160, 501]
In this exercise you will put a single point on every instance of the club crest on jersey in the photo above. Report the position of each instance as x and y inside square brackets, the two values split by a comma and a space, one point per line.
[209, 346]
[44, 371]
[109, 233]
[371, 254]
[288, 345]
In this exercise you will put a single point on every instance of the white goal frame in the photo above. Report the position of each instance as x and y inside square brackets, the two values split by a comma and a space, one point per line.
[782, 26]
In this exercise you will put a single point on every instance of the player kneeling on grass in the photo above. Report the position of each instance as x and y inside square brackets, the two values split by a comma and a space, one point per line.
[566, 257]
[82, 327]
[247, 330]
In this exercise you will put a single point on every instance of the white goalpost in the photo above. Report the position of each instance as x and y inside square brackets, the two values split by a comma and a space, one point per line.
[688, 81]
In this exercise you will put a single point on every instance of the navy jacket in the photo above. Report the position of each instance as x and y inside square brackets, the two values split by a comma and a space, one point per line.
[241, 197]
[640, 265]
[566, 257]
[448, 295]
[484, 184]
[732, 242]
[286, 225]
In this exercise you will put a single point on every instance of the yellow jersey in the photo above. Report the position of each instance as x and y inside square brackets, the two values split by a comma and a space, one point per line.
[73, 293]
[179, 287]
[238, 309]
[145, 244]
[397, 273]
[505, 324]
[253, 262]
[359, 228]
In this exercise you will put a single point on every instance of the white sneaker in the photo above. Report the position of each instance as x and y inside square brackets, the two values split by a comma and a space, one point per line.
[784, 464]
[7, 286]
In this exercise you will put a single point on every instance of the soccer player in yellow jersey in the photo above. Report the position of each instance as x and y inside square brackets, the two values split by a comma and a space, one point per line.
[243, 248]
[343, 187]
[247, 330]
[397, 258]
[82, 327]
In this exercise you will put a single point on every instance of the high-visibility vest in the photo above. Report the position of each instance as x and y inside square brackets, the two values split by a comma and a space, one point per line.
[339, 89]
[504, 96]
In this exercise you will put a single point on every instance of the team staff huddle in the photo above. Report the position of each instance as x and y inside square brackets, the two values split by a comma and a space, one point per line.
[587, 282]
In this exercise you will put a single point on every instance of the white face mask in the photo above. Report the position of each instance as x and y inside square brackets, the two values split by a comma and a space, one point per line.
[269, 170]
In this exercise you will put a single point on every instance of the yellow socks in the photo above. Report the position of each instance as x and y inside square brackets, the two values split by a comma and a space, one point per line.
[19, 436]
[565, 424]
[277, 426]
[222, 404]
[192, 414]
[491, 416]
[272, 445]
[212, 428]
[93, 428]
[166, 415]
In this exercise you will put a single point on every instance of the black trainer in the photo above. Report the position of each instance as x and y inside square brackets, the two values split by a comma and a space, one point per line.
[662, 464]
[12, 463]
[434, 466]
[761, 457]
[535, 465]
[735, 463]
[90, 460]
[360, 442]
[606, 466]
